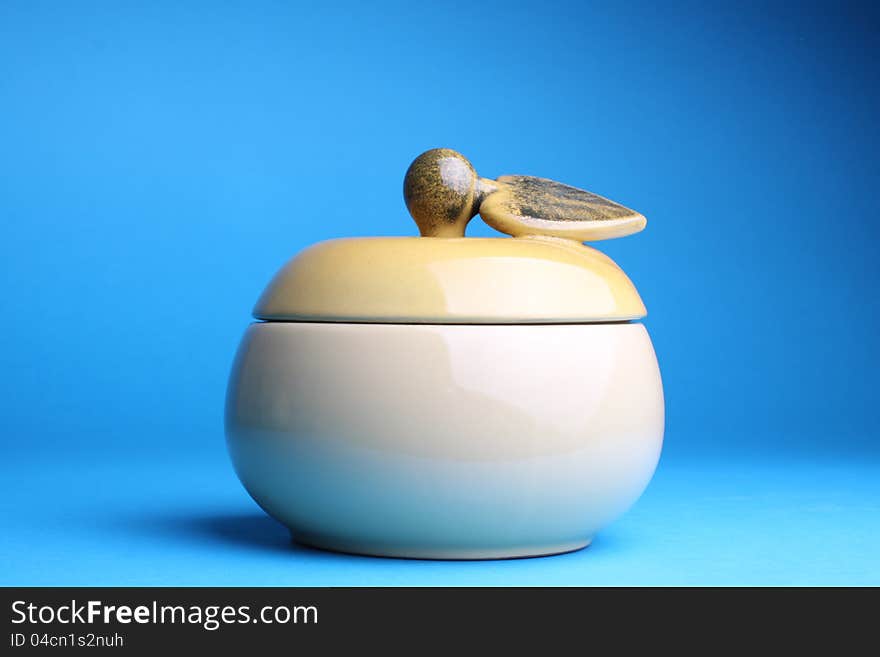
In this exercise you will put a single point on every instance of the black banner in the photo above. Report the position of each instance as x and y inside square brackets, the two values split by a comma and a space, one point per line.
[325, 618]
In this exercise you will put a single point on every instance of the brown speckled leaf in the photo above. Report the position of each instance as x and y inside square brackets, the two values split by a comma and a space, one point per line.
[525, 205]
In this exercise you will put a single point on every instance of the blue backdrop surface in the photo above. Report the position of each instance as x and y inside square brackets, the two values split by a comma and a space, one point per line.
[159, 163]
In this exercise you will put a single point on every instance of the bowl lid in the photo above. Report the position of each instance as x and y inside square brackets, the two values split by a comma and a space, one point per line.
[455, 280]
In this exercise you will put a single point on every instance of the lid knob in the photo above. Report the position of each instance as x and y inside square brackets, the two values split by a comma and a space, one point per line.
[443, 193]
[440, 189]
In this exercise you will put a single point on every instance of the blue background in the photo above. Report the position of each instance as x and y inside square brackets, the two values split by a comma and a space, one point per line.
[159, 161]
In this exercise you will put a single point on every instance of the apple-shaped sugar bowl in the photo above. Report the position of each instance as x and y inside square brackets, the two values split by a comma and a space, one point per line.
[451, 397]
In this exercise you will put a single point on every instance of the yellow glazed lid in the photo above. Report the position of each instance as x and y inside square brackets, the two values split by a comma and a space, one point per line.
[458, 280]
[542, 274]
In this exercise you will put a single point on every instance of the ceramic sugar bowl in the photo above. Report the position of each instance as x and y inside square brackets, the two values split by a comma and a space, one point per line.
[452, 397]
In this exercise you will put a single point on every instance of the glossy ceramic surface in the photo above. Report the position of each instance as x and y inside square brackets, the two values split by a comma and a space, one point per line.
[450, 280]
[445, 441]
